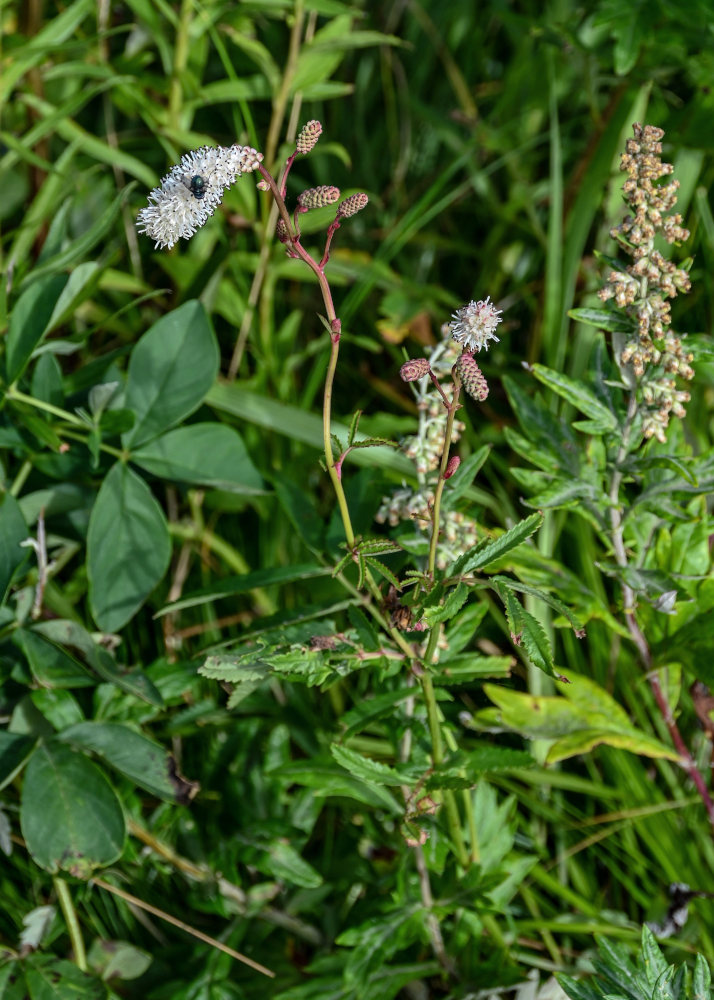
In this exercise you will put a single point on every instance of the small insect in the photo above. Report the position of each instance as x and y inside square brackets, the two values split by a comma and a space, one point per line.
[197, 186]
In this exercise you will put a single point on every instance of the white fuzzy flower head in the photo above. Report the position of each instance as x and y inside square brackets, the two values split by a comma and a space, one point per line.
[192, 190]
[474, 325]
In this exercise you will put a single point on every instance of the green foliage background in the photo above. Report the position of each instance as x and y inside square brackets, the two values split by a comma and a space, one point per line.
[488, 141]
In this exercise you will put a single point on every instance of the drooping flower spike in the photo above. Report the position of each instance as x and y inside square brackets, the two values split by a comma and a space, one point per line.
[192, 190]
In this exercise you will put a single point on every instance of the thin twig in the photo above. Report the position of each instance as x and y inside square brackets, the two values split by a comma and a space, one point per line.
[206, 938]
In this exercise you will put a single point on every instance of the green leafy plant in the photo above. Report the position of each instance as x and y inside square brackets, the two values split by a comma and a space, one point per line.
[272, 728]
[648, 977]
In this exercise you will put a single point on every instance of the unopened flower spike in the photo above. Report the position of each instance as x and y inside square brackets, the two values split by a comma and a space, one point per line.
[318, 197]
[192, 190]
[414, 369]
[474, 325]
[352, 205]
[309, 134]
[471, 377]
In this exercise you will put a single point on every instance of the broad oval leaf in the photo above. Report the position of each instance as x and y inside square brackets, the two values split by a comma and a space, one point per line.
[128, 548]
[209, 453]
[146, 763]
[70, 817]
[171, 369]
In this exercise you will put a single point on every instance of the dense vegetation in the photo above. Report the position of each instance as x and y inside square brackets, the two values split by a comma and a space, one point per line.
[275, 665]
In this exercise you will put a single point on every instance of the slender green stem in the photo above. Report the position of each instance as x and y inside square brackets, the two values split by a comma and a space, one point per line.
[70, 916]
[327, 441]
[437, 753]
[107, 448]
[15, 395]
[20, 478]
[39, 404]
[298, 250]
[475, 855]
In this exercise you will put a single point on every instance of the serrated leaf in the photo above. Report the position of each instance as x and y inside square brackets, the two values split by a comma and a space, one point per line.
[384, 571]
[541, 595]
[463, 769]
[354, 424]
[369, 770]
[652, 958]
[465, 667]
[374, 442]
[702, 980]
[378, 546]
[455, 600]
[536, 643]
[489, 552]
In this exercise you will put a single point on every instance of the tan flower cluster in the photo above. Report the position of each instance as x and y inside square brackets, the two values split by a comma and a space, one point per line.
[643, 289]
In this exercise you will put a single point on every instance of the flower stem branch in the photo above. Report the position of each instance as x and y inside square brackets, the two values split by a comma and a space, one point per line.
[436, 507]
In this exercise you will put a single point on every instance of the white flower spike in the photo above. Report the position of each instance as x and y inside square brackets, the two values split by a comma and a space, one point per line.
[474, 325]
[192, 190]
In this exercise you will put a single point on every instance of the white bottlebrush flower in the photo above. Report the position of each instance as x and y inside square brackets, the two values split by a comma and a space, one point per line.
[192, 190]
[474, 325]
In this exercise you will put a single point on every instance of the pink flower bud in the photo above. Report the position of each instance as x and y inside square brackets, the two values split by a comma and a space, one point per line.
[413, 369]
[454, 463]
[352, 205]
[309, 134]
